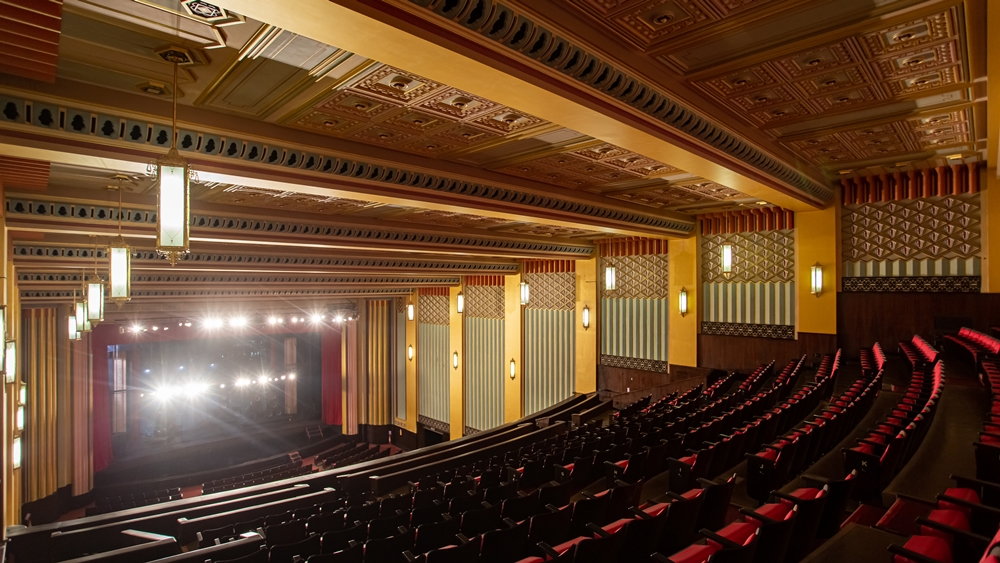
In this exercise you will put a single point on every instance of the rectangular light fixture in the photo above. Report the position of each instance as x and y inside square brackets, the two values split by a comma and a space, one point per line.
[816, 279]
[15, 453]
[80, 316]
[409, 352]
[461, 303]
[10, 361]
[23, 396]
[19, 418]
[682, 303]
[120, 272]
[73, 334]
[173, 207]
[409, 311]
[610, 278]
[95, 300]
[586, 317]
[513, 368]
[727, 259]
[525, 293]
[454, 360]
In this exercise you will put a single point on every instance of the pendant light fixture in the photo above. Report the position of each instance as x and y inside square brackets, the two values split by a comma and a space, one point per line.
[120, 257]
[173, 177]
[80, 310]
[94, 295]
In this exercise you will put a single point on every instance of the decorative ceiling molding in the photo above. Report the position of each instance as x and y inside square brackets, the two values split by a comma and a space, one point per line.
[76, 257]
[105, 126]
[138, 294]
[230, 279]
[517, 32]
[203, 224]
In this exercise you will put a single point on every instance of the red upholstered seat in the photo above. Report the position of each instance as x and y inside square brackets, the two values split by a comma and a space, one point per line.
[952, 518]
[774, 511]
[689, 460]
[968, 495]
[864, 448]
[616, 525]
[807, 493]
[656, 509]
[741, 533]
[694, 554]
[928, 546]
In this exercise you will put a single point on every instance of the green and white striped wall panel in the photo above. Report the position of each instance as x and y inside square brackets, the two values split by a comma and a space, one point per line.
[635, 328]
[767, 303]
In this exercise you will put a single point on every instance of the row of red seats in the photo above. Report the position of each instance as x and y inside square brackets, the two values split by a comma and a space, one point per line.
[988, 447]
[789, 372]
[785, 458]
[890, 444]
[974, 343]
[669, 524]
[872, 360]
[918, 351]
[755, 380]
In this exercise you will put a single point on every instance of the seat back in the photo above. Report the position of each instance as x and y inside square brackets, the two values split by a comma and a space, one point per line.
[475, 522]
[387, 550]
[716, 503]
[504, 545]
[286, 553]
[550, 527]
[435, 535]
[599, 550]
[467, 552]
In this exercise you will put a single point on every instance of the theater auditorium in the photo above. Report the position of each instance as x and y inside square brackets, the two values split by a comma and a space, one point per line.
[500, 281]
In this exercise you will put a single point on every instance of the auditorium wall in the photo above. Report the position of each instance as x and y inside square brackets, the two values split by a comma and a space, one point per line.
[484, 351]
[549, 333]
[433, 339]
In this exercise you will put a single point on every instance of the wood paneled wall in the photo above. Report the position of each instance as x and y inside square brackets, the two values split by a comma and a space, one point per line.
[865, 318]
[744, 353]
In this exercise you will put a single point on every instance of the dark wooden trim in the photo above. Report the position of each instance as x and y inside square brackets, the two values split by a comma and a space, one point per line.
[740, 353]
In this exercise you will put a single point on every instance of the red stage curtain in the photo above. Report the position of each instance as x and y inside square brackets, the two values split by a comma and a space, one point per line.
[332, 401]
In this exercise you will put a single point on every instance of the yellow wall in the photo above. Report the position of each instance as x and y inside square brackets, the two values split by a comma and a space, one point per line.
[587, 339]
[456, 376]
[513, 400]
[816, 241]
[991, 232]
[411, 372]
[682, 336]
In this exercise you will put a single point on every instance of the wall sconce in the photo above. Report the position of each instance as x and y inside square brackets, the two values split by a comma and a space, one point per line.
[409, 311]
[525, 293]
[513, 368]
[461, 303]
[683, 302]
[610, 278]
[727, 260]
[454, 360]
[409, 352]
[586, 317]
[19, 418]
[10, 361]
[15, 453]
[816, 279]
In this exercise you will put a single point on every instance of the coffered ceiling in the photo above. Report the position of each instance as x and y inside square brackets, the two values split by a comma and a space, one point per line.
[355, 148]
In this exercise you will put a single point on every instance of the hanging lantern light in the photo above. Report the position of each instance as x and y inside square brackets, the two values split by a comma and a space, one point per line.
[94, 295]
[120, 256]
[10, 361]
[73, 334]
[173, 202]
[80, 314]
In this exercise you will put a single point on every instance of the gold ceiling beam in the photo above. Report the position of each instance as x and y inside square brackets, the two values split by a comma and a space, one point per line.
[325, 21]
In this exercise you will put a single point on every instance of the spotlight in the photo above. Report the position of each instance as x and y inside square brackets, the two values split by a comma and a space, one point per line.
[340, 318]
[295, 320]
[213, 323]
[222, 386]
[146, 371]
[166, 328]
[136, 328]
[238, 322]
[272, 321]
[281, 321]
[180, 324]
[291, 376]
[180, 367]
[315, 318]
[156, 328]
[242, 382]
[187, 324]
[282, 378]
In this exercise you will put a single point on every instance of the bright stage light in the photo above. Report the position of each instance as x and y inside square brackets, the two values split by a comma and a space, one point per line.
[340, 318]
[187, 324]
[238, 322]
[295, 320]
[242, 382]
[136, 328]
[222, 386]
[272, 321]
[282, 378]
[315, 318]
[156, 327]
[291, 376]
[213, 323]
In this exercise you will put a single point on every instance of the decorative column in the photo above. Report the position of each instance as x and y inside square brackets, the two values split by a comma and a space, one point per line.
[587, 337]
[816, 244]
[456, 365]
[512, 346]
[682, 274]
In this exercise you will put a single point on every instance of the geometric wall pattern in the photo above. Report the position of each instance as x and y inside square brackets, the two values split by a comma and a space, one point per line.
[549, 339]
[761, 287]
[433, 361]
[930, 236]
[634, 315]
[484, 365]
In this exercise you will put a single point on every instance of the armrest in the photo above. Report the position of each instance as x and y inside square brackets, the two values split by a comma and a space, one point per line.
[972, 483]
[753, 514]
[717, 538]
[410, 557]
[786, 496]
[551, 507]
[640, 515]
[588, 495]
[547, 550]
[912, 555]
[976, 507]
[402, 529]
[916, 500]
[815, 479]
[693, 452]
[974, 538]
[598, 531]
[462, 538]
